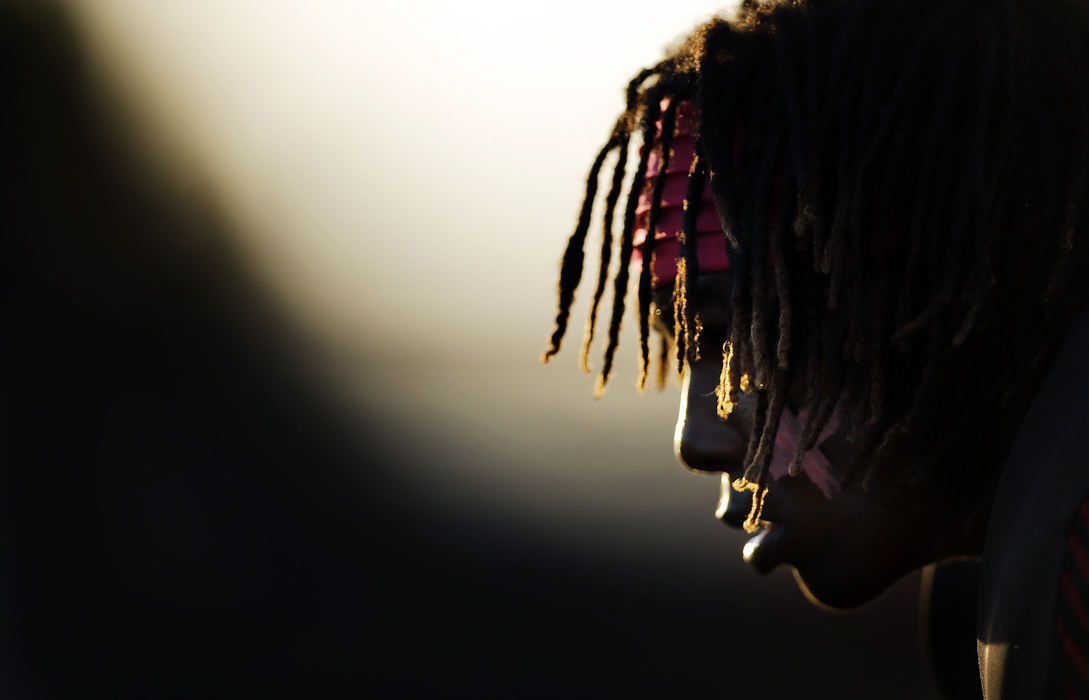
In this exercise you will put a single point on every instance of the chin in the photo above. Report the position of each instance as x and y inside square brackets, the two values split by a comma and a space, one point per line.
[834, 592]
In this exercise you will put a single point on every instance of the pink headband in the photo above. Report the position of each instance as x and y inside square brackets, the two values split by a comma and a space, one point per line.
[710, 246]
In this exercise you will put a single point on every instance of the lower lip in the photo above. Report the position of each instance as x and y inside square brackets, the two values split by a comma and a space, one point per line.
[764, 551]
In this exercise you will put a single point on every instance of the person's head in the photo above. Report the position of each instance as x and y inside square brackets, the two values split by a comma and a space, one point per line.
[901, 187]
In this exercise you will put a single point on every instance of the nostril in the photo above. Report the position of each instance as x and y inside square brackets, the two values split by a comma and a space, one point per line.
[715, 447]
[689, 458]
[696, 453]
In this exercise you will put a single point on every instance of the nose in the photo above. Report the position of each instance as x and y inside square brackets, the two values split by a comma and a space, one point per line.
[702, 441]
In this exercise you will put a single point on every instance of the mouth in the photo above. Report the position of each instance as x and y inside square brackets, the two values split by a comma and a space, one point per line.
[764, 551]
[733, 506]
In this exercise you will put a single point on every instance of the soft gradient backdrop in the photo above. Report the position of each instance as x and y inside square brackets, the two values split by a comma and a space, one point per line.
[402, 177]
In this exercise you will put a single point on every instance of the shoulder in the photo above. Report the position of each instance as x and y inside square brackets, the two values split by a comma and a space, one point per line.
[1037, 538]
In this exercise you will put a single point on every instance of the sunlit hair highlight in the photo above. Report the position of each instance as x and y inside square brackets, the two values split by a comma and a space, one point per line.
[901, 188]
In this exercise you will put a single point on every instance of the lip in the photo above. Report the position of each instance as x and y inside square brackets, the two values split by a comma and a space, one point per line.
[765, 550]
[733, 506]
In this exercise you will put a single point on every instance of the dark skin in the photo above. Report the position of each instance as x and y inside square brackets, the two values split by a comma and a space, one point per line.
[845, 549]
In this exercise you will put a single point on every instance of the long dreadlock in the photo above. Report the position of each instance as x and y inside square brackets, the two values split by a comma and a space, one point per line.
[915, 176]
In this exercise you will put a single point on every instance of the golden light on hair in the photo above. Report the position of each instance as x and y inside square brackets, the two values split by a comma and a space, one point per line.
[753, 522]
[724, 389]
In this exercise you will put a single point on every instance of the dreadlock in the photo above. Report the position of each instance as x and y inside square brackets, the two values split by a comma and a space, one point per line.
[642, 109]
[901, 190]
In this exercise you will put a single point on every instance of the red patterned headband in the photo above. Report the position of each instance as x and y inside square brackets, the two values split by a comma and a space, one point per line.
[711, 245]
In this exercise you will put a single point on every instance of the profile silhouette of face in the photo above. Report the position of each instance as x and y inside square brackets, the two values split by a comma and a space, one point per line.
[846, 543]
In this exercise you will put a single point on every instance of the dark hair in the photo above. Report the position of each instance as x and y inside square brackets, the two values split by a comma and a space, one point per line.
[916, 173]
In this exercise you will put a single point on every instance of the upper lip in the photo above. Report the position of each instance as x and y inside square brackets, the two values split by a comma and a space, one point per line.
[740, 505]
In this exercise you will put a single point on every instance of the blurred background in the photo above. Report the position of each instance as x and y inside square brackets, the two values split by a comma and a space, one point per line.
[276, 278]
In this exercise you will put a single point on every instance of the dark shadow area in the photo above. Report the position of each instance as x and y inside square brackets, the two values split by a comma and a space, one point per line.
[947, 612]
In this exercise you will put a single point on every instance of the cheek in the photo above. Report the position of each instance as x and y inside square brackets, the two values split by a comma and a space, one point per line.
[815, 464]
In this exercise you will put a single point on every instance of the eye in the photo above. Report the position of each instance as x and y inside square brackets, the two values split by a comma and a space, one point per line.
[662, 321]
